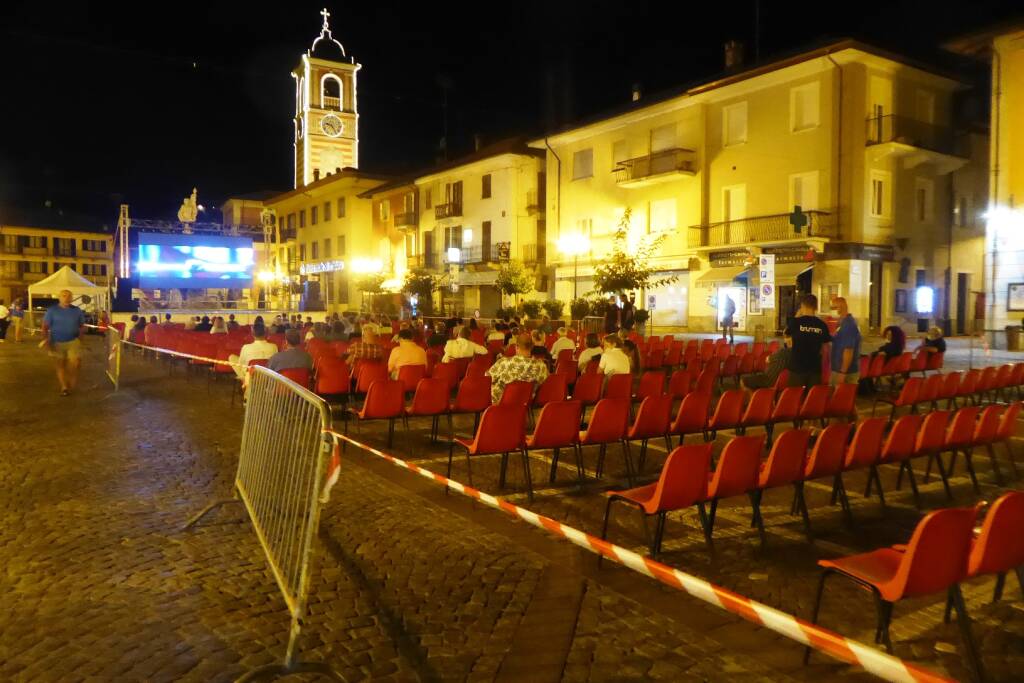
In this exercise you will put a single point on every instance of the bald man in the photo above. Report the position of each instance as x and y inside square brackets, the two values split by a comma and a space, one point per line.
[63, 326]
[845, 346]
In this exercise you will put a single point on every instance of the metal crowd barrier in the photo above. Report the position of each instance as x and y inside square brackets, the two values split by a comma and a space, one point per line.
[112, 340]
[281, 465]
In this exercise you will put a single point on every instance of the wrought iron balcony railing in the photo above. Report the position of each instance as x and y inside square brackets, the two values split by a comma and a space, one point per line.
[921, 134]
[534, 254]
[773, 228]
[408, 219]
[448, 210]
[675, 160]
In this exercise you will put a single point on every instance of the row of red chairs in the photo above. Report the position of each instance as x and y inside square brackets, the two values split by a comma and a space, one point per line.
[686, 478]
[943, 551]
[974, 386]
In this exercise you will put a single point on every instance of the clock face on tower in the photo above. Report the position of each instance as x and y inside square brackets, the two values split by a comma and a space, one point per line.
[331, 125]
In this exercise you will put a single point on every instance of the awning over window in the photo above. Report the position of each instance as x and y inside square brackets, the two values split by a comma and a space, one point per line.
[786, 272]
[727, 275]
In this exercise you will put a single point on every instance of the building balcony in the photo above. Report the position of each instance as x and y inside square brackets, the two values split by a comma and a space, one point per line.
[408, 219]
[33, 277]
[763, 229]
[447, 210]
[421, 261]
[332, 103]
[35, 251]
[10, 249]
[915, 142]
[534, 254]
[656, 167]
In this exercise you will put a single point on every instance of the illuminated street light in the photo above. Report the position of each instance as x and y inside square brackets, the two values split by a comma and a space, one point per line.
[574, 244]
[367, 265]
[266, 276]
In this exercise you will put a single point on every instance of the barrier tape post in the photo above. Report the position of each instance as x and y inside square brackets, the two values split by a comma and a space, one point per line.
[281, 467]
[872, 660]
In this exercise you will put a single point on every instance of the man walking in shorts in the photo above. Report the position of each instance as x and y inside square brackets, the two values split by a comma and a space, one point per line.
[63, 326]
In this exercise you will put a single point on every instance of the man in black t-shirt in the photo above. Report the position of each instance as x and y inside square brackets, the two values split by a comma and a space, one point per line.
[810, 334]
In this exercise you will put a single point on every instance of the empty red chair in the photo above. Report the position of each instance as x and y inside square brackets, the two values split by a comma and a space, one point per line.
[759, 410]
[449, 372]
[741, 349]
[897, 449]
[385, 400]
[906, 397]
[1001, 382]
[968, 385]
[502, 430]
[782, 381]
[652, 383]
[619, 386]
[410, 376]
[826, 460]
[472, 398]
[683, 482]
[931, 388]
[558, 427]
[707, 350]
[935, 361]
[567, 368]
[863, 451]
[785, 466]
[367, 374]
[1005, 432]
[300, 376]
[652, 421]
[728, 412]
[935, 560]
[773, 346]
[931, 438]
[691, 356]
[706, 380]
[564, 356]
[429, 400]
[950, 389]
[608, 424]
[655, 359]
[986, 382]
[814, 405]
[479, 365]
[746, 365]
[587, 389]
[999, 548]
[735, 475]
[919, 361]
[679, 384]
[959, 437]
[985, 432]
[674, 355]
[730, 368]
[692, 417]
[1017, 378]
[554, 388]
[516, 394]
[842, 405]
[786, 409]
[333, 380]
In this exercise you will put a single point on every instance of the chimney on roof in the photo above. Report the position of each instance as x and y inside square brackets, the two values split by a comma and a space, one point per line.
[477, 142]
[637, 92]
[733, 55]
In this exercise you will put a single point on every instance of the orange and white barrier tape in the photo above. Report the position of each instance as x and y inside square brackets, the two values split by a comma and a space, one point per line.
[182, 354]
[873, 661]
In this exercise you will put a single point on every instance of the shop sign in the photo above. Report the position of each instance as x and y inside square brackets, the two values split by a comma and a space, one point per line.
[504, 251]
[766, 273]
[728, 258]
[321, 267]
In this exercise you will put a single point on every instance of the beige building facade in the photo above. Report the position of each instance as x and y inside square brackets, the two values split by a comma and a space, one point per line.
[29, 254]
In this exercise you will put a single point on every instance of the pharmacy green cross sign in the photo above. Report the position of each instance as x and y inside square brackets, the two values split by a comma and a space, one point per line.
[798, 219]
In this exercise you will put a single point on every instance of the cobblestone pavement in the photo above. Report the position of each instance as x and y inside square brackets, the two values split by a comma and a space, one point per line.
[99, 584]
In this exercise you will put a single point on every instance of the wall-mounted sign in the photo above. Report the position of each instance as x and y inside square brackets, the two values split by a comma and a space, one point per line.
[504, 249]
[766, 271]
[321, 267]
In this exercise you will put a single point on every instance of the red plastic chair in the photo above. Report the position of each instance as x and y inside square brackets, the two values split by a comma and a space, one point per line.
[1005, 432]
[968, 385]
[919, 361]
[727, 413]
[897, 449]
[587, 389]
[410, 376]
[692, 417]
[683, 482]
[826, 460]
[517, 394]
[679, 384]
[986, 383]
[929, 443]
[502, 430]
[449, 372]
[736, 474]
[814, 405]
[999, 548]
[842, 405]
[934, 561]
[950, 389]
[554, 388]
[652, 421]
[461, 365]
[1002, 379]
[706, 380]
[935, 361]
[785, 466]
[429, 400]
[564, 356]
[368, 373]
[558, 428]
[385, 400]
[906, 397]
[787, 408]
[652, 383]
[863, 452]
[959, 437]
[759, 410]
[674, 355]
[985, 433]
[300, 376]
[608, 424]
[730, 368]
[333, 379]
[931, 387]
[472, 398]
[619, 386]
[478, 366]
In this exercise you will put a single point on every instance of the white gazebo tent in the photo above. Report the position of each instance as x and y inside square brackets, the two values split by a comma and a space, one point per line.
[66, 278]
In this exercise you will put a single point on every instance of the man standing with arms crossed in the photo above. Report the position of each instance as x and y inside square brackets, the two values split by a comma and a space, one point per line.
[845, 346]
[810, 334]
[63, 326]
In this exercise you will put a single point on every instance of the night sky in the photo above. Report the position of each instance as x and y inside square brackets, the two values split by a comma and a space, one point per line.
[138, 103]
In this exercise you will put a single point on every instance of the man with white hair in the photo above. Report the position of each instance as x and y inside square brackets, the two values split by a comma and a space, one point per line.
[563, 342]
[63, 326]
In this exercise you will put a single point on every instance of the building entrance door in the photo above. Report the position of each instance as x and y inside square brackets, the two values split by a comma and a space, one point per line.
[787, 306]
[875, 297]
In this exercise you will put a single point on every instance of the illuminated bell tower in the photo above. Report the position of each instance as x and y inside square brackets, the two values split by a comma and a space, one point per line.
[326, 118]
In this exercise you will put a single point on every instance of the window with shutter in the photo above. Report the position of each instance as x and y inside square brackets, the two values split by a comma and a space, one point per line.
[583, 164]
[734, 124]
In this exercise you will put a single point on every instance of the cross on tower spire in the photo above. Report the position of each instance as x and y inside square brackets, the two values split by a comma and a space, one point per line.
[326, 15]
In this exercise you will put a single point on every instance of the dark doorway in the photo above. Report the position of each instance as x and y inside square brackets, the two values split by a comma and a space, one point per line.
[787, 306]
[875, 298]
[803, 283]
[961, 303]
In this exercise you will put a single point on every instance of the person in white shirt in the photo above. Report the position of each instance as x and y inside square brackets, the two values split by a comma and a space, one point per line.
[219, 327]
[563, 342]
[593, 349]
[613, 360]
[497, 333]
[462, 347]
[258, 349]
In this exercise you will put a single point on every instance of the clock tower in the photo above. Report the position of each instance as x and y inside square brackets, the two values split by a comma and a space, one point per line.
[326, 118]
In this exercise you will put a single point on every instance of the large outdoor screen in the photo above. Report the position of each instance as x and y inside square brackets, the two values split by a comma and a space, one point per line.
[194, 261]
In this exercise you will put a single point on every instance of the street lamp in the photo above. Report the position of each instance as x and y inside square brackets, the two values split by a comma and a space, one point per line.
[574, 244]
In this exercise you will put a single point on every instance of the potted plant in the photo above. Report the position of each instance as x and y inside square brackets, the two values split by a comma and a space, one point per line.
[531, 308]
[579, 308]
[554, 308]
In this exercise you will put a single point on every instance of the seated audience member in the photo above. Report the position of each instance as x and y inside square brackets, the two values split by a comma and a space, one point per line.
[777, 362]
[497, 333]
[613, 360]
[521, 367]
[366, 348]
[407, 352]
[540, 349]
[167, 321]
[232, 323]
[150, 330]
[439, 338]
[204, 325]
[293, 355]
[895, 342]
[592, 350]
[462, 347]
[258, 349]
[933, 341]
[563, 342]
[218, 326]
[633, 353]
